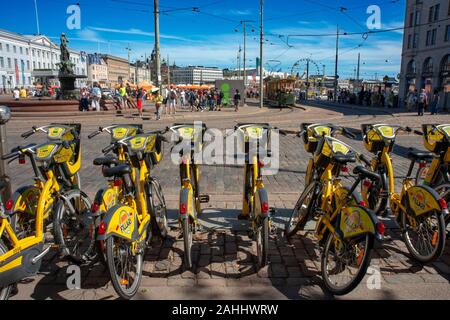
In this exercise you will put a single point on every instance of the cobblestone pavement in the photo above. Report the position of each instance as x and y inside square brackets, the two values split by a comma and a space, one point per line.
[224, 266]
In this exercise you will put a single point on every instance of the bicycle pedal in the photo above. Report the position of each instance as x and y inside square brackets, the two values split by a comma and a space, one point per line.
[204, 198]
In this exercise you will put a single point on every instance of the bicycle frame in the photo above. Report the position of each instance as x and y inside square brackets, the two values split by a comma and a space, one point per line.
[24, 257]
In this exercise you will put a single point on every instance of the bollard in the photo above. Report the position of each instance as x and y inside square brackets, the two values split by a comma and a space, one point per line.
[5, 115]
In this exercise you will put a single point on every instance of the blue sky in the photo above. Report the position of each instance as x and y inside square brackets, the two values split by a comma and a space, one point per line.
[209, 37]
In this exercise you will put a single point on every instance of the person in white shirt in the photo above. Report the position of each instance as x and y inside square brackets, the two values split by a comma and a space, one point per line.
[182, 98]
[16, 94]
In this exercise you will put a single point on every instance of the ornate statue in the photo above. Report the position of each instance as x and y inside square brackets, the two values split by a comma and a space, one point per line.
[66, 66]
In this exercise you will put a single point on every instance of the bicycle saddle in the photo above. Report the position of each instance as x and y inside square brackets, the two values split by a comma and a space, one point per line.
[366, 173]
[420, 156]
[344, 158]
[106, 161]
[117, 171]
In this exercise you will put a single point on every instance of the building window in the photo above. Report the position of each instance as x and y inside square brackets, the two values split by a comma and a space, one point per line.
[409, 41]
[21, 50]
[27, 51]
[33, 52]
[2, 62]
[445, 65]
[14, 49]
[34, 65]
[418, 16]
[431, 37]
[411, 68]
[447, 34]
[39, 65]
[428, 65]
[415, 40]
[433, 14]
[1, 47]
[39, 53]
[28, 64]
[7, 47]
[9, 63]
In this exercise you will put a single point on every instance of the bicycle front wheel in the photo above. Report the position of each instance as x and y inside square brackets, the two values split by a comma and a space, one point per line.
[344, 263]
[125, 266]
[73, 231]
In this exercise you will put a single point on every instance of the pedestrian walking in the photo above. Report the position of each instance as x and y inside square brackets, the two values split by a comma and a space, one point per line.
[84, 100]
[422, 102]
[172, 101]
[435, 102]
[158, 103]
[123, 96]
[237, 100]
[96, 94]
[139, 97]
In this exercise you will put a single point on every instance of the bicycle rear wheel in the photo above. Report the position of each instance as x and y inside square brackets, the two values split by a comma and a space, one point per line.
[344, 264]
[424, 235]
[262, 242]
[125, 266]
[188, 240]
[301, 212]
[5, 291]
[157, 208]
[73, 231]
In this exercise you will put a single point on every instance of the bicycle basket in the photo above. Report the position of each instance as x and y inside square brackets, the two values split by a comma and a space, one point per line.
[327, 148]
[436, 137]
[376, 136]
[312, 134]
[124, 131]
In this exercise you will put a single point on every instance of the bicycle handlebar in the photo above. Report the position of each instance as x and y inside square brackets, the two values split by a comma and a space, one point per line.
[28, 133]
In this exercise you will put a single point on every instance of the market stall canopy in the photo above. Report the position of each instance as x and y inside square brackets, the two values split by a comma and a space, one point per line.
[145, 85]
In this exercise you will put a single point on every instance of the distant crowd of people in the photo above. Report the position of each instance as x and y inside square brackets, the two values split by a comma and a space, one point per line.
[423, 101]
[125, 97]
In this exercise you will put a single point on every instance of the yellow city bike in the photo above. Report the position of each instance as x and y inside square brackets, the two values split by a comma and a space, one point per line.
[69, 228]
[419, 210]
[437, 175]
[345, 228]
[127, 227]
[255, 207]
[113, 193]
[189, 141]
[22, 248]
[311, 133]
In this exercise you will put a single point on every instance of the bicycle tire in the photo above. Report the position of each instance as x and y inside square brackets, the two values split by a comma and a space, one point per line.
[262, 243]
[116, 279]
[5, 291]
[158, 210]
[84, 235]
[376, 203]
[364, 264]
[187, 240]
[290, 229]
[440, 242]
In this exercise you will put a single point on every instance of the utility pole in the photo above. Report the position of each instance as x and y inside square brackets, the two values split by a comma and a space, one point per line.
[239, 62]
[336, 66]
[129, 72]
[157, 50]
[37, 17]
[358, 69]
[168, 72]
[307, 80]
[261, 51]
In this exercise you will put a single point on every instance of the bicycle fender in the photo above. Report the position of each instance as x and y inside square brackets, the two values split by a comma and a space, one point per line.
[121, 221]
[423, 199]
[25, 199]
[356, 220]
[259, 200]
[105, 198]
[186, 200]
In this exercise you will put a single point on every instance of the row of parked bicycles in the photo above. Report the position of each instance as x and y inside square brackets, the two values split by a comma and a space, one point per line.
[130, 211]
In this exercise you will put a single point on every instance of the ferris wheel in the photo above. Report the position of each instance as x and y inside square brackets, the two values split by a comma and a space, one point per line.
[300, 68]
